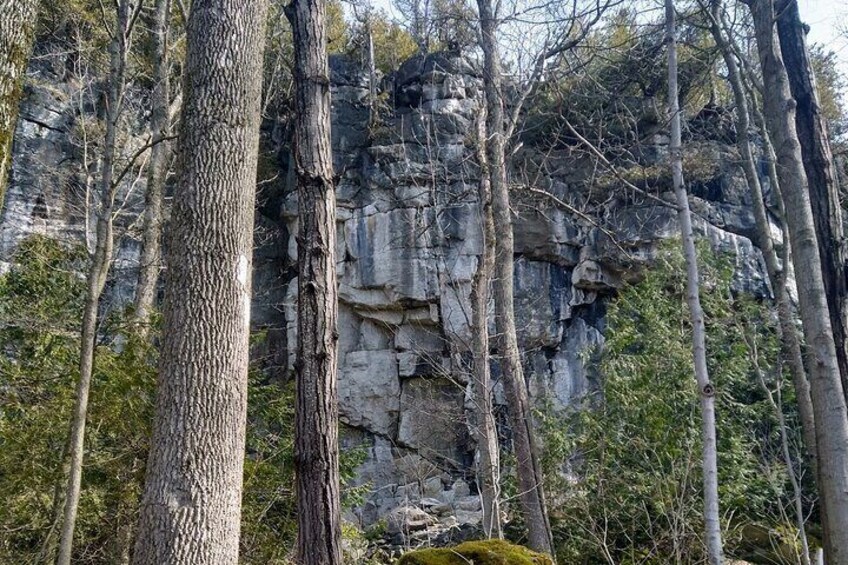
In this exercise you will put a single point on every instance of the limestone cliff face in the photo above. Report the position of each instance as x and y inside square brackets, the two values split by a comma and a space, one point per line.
[409, 240]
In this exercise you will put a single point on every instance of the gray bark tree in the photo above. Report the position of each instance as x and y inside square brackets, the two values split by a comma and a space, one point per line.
[828, 399]
[817, 156]
[149, 262]
[528, 469]
[100, 263]
[485, 430]
[190, 511]
[777, 272]
[316, 414]
[17, 29]
[706, 390]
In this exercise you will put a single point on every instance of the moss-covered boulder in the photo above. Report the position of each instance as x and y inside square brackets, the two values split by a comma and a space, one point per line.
[488, 552]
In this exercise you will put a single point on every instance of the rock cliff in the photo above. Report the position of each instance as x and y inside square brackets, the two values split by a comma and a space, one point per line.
[408, 245]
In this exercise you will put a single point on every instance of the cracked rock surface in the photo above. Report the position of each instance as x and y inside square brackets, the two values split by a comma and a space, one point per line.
[408, 244]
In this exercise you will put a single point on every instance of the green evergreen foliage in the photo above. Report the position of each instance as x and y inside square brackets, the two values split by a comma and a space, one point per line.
[41, 301]
[638, 499]
[488, 552]
[40, 307]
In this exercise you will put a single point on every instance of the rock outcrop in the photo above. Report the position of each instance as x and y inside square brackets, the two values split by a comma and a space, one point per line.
[408, 246]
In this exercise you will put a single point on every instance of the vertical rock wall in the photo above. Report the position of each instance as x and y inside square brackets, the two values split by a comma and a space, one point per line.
[409, 239]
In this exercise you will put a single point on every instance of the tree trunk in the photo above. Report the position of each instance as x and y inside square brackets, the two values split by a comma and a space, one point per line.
[316, 415]
[789, 338]
[98, 272]
[831, 418]
[485, 429]
[373, 109]
[190, 511]
[529, 472]
[149, 262]
[706, 390]
[17, 28]
[817, 157]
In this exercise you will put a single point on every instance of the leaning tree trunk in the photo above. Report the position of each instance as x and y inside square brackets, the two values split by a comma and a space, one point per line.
[485, 429]
[818, 162]
[789, 338]
[316, 414]
[149, 262]
[831, 418]
[706, 390]
[98, 272]
[528, 469]
[17, 28]
[190, 511]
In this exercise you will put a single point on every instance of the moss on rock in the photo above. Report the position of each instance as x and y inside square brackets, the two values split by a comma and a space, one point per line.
[488, 552]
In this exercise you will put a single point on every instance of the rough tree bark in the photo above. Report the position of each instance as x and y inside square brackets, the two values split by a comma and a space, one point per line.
[485, 429]
[17, 28]
[706, 390]
[190, 511]
[98, 272]
[528, 470]
[777, 273]
[149, 262]
[831, 418]
[316, 414]
[811, 126]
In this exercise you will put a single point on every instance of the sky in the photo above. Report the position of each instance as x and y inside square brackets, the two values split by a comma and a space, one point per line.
[828, 21]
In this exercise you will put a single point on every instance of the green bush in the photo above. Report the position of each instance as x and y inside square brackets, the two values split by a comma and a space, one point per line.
[41, 300]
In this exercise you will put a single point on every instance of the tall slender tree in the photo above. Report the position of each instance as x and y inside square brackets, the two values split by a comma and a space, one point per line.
[316, 415]
[828, 399]
[706, 389]
[777, 272]
[190, 511]
[149, 262]
[485, 429]
[98, 270]
[817, 156]
[528, 468]
[17, 30]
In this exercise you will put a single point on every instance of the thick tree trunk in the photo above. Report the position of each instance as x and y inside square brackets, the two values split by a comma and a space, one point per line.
[831, 418]
[789, 338]
[190, 511]
[149, 262]
[97, 275]
[706, 390]
[316, 415]
[818, 162]
[485, 429]
[17, 27]
[529, 472]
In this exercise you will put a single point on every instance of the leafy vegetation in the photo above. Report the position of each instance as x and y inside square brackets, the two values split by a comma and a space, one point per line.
[41, 300]
[637, 452]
